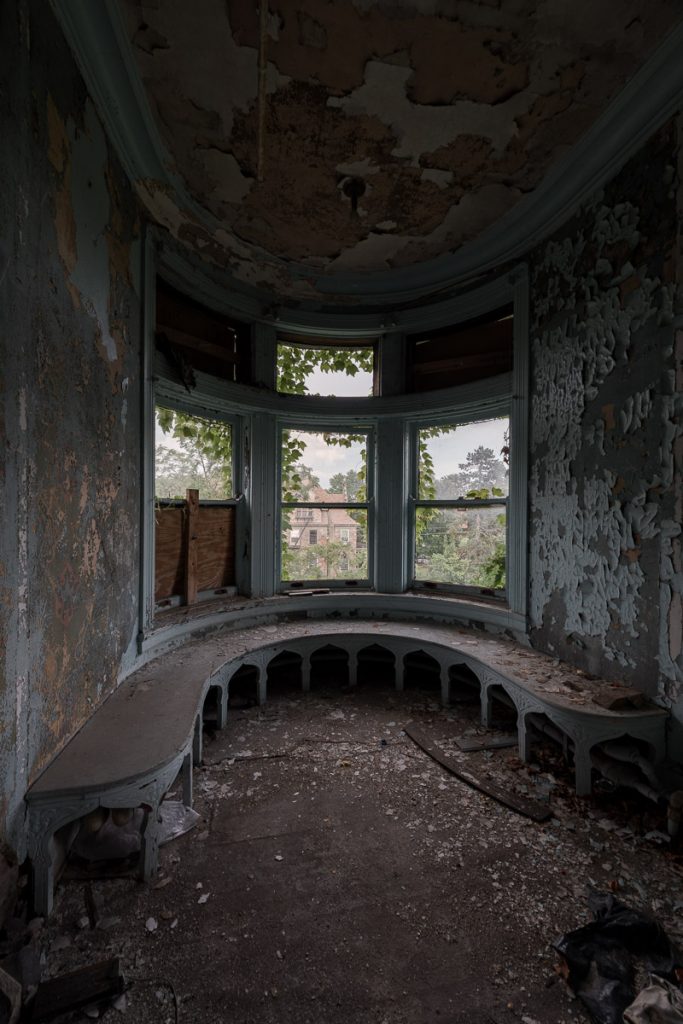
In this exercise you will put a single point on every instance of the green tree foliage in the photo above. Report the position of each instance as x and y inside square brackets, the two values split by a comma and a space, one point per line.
[296, 363]
[462, 546]
[326, 560]
[350, 484]
[299, 480]
[203, 459]
[481, 471]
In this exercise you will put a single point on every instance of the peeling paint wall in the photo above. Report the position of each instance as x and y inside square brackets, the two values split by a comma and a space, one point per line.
[69, 405]
[605, 502]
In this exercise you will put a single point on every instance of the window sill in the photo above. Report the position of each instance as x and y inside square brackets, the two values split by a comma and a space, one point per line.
[176, 625]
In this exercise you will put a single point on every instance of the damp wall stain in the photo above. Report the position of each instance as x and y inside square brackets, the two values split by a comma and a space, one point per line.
[605, 470]
[69, 399]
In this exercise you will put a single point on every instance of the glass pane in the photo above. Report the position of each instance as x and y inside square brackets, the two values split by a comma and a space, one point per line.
[461, 546]
[323, 467]
[341, 371]
[192, 452]
[456, 461]
[324, 544]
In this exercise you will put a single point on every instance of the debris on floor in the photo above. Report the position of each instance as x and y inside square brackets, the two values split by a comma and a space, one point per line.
[351, 879]
[176, 820]
[659, 1003]
[90, 988]
[600, 959]
[473, 744]
[10, 998]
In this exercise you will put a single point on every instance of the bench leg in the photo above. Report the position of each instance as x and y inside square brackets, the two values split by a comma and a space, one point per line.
[197, 741]
[399, 673]
[43, 881]
[305, 674]
[486, 708]
[445, 687]
[353, 668]
[582, 771]
[149, 844]
[222, 708]
[523, 738]
[186, 778]
[261, 687]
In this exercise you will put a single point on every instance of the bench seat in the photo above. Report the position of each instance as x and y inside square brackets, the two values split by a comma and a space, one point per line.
[148, 732]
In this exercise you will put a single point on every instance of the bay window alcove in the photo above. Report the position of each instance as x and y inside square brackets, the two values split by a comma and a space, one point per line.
[392, 487]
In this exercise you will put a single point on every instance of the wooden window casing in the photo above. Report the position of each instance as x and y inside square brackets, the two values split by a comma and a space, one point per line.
[461, 354]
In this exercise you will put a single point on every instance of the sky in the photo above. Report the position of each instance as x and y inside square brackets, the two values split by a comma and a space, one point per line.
[447, 451]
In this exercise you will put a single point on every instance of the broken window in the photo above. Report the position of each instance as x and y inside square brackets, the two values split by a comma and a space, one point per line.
[317, 367]
[460, 513]
[324, 507]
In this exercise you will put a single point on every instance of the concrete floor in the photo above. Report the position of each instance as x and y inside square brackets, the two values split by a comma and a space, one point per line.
[340, 875]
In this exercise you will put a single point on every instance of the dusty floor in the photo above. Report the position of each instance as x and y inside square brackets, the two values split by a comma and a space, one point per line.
[340, 875]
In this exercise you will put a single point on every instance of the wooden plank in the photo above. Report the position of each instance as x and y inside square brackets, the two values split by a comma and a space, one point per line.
[174, 309]
[474, 361]
[92, 984]
[191, 518]
[168, 552]
[459, 354]
[473, 744]
[210, 348]
[528, 808]
[616, 697]
[215, 548]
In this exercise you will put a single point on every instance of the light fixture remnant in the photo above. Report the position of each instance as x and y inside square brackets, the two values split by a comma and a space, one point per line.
[354, 188]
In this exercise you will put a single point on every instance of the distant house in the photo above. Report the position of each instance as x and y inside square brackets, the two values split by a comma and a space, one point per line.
[313, 527]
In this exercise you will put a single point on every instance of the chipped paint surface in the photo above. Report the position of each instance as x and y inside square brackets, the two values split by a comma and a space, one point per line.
[450, 114]
[68, 540]
[604, 488]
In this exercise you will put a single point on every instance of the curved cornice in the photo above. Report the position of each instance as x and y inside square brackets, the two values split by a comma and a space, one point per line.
[97, 37]
[183, 273]
[482, 398]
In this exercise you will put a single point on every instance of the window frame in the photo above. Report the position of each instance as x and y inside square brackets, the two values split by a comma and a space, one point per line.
[415, 502]
[163, 399]
[360, 583]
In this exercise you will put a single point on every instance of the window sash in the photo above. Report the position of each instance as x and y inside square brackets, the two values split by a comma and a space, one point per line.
[464, 589]
[367, 506]
[414, 503]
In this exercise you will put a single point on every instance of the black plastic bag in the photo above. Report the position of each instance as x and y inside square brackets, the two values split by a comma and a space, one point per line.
[600, 956]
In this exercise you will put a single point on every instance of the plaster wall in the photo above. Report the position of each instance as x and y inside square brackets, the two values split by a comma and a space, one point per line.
[69, 405]
[605, 471]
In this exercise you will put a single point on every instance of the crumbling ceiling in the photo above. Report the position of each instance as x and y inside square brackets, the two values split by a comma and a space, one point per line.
[392, 133]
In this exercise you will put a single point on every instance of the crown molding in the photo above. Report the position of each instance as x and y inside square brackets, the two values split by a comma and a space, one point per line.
[96, 34]
[182, 273]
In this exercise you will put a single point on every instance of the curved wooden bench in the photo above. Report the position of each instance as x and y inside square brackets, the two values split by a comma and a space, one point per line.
[149, 730]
